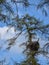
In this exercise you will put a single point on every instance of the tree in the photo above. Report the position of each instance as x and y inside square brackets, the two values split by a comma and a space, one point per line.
[32, 27]
[27, 23]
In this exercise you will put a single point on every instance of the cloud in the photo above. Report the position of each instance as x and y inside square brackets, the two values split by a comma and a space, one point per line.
[2, 31]
[4, 34]
[15, 52]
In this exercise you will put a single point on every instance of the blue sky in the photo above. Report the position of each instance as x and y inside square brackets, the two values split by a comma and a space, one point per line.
[15, 52]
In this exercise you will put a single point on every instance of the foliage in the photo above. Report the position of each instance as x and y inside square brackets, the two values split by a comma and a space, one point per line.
[28, 24]
[42, 5]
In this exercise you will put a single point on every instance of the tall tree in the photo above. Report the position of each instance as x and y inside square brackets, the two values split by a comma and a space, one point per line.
[28, 24]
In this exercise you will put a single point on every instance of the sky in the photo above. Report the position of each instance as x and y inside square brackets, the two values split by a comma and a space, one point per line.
[15, 53]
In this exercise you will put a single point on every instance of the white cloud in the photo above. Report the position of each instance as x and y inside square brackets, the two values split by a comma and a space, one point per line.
[4, 34]
[15, 51]
[2, 31]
